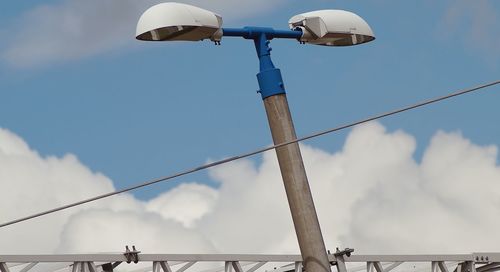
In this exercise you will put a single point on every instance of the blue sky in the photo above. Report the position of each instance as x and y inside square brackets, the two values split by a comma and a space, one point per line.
[86, 109]
[135, 110]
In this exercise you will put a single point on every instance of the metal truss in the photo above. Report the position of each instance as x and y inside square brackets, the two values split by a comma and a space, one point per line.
[342, 260]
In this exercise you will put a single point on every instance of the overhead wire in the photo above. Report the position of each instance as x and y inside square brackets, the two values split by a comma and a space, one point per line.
[252, 153]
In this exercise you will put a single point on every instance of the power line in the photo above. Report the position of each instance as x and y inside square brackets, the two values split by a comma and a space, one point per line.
[249, 154]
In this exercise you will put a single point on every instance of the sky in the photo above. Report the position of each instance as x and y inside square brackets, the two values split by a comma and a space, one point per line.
[86, 109]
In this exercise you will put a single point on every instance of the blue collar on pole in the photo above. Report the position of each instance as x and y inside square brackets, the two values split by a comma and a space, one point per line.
[269, 77]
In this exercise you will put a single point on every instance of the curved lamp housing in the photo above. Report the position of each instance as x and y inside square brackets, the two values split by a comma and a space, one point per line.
[332, 28]
[178, 22]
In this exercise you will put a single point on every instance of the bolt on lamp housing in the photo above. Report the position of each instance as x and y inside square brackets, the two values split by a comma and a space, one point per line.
[178, 22]
[332, 28]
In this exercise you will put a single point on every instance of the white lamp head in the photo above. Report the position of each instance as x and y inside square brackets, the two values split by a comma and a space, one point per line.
[178, 22]
[332, 28]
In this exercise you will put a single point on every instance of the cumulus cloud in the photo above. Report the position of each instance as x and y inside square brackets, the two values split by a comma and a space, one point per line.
[101, 229]
[73, 29]
[31, 183]
[453, 192]
[199, 198]
[474, 23]
[371, 195]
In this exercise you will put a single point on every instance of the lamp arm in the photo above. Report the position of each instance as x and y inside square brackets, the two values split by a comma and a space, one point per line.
[253, 32]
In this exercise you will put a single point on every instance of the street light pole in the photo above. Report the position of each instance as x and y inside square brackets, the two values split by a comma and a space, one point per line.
[272, 90]
[307, 228]
[175, 21]
[305, 219]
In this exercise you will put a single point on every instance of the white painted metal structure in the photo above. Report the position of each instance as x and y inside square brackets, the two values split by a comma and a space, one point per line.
[475, 262]
[178, 22]
[332, 28]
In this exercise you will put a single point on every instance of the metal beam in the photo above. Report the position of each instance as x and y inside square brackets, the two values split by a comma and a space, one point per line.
[76, 267]
[107, 267]
[62, 258]
[378, 267]
[185, 267]
[228, 267]
[434, 267]
[161, 267]
[28, 267]
[409, 258]
[90, 266]
[256, 266]
[443, 267]
[4, 267]
[467, 266]
[492, 257]
[85, 262]
[149, 268]
[298, 267]
[84, 267]
[374, 266]
[11, 265]
[392, 266]
[221, 257]
[341, 267]
[438, 266]
[237, 267]
[489, 267]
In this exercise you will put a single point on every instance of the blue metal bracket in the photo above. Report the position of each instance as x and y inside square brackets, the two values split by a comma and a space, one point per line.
[269, 77]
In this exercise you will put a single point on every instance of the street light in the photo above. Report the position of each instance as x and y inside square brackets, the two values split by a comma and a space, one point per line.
[181, 22]
[332, 28]
[177, 22]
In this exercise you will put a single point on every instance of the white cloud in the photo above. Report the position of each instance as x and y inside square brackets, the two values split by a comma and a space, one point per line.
[195, 200]
[74, 29]
[31, 183]
[251, 214]
[475, 24]
[371, 195]
[109, 231]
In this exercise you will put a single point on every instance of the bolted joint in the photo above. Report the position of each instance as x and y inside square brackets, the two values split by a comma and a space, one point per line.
[347, 252]
[131, 255]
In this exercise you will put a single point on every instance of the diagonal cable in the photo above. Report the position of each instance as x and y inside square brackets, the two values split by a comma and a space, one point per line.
[249, 154]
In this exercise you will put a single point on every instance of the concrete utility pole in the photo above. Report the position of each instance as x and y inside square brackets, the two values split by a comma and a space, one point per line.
[272, 90]
[305, 219]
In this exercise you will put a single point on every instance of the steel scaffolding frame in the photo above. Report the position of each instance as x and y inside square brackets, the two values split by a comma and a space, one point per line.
[475, 262]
